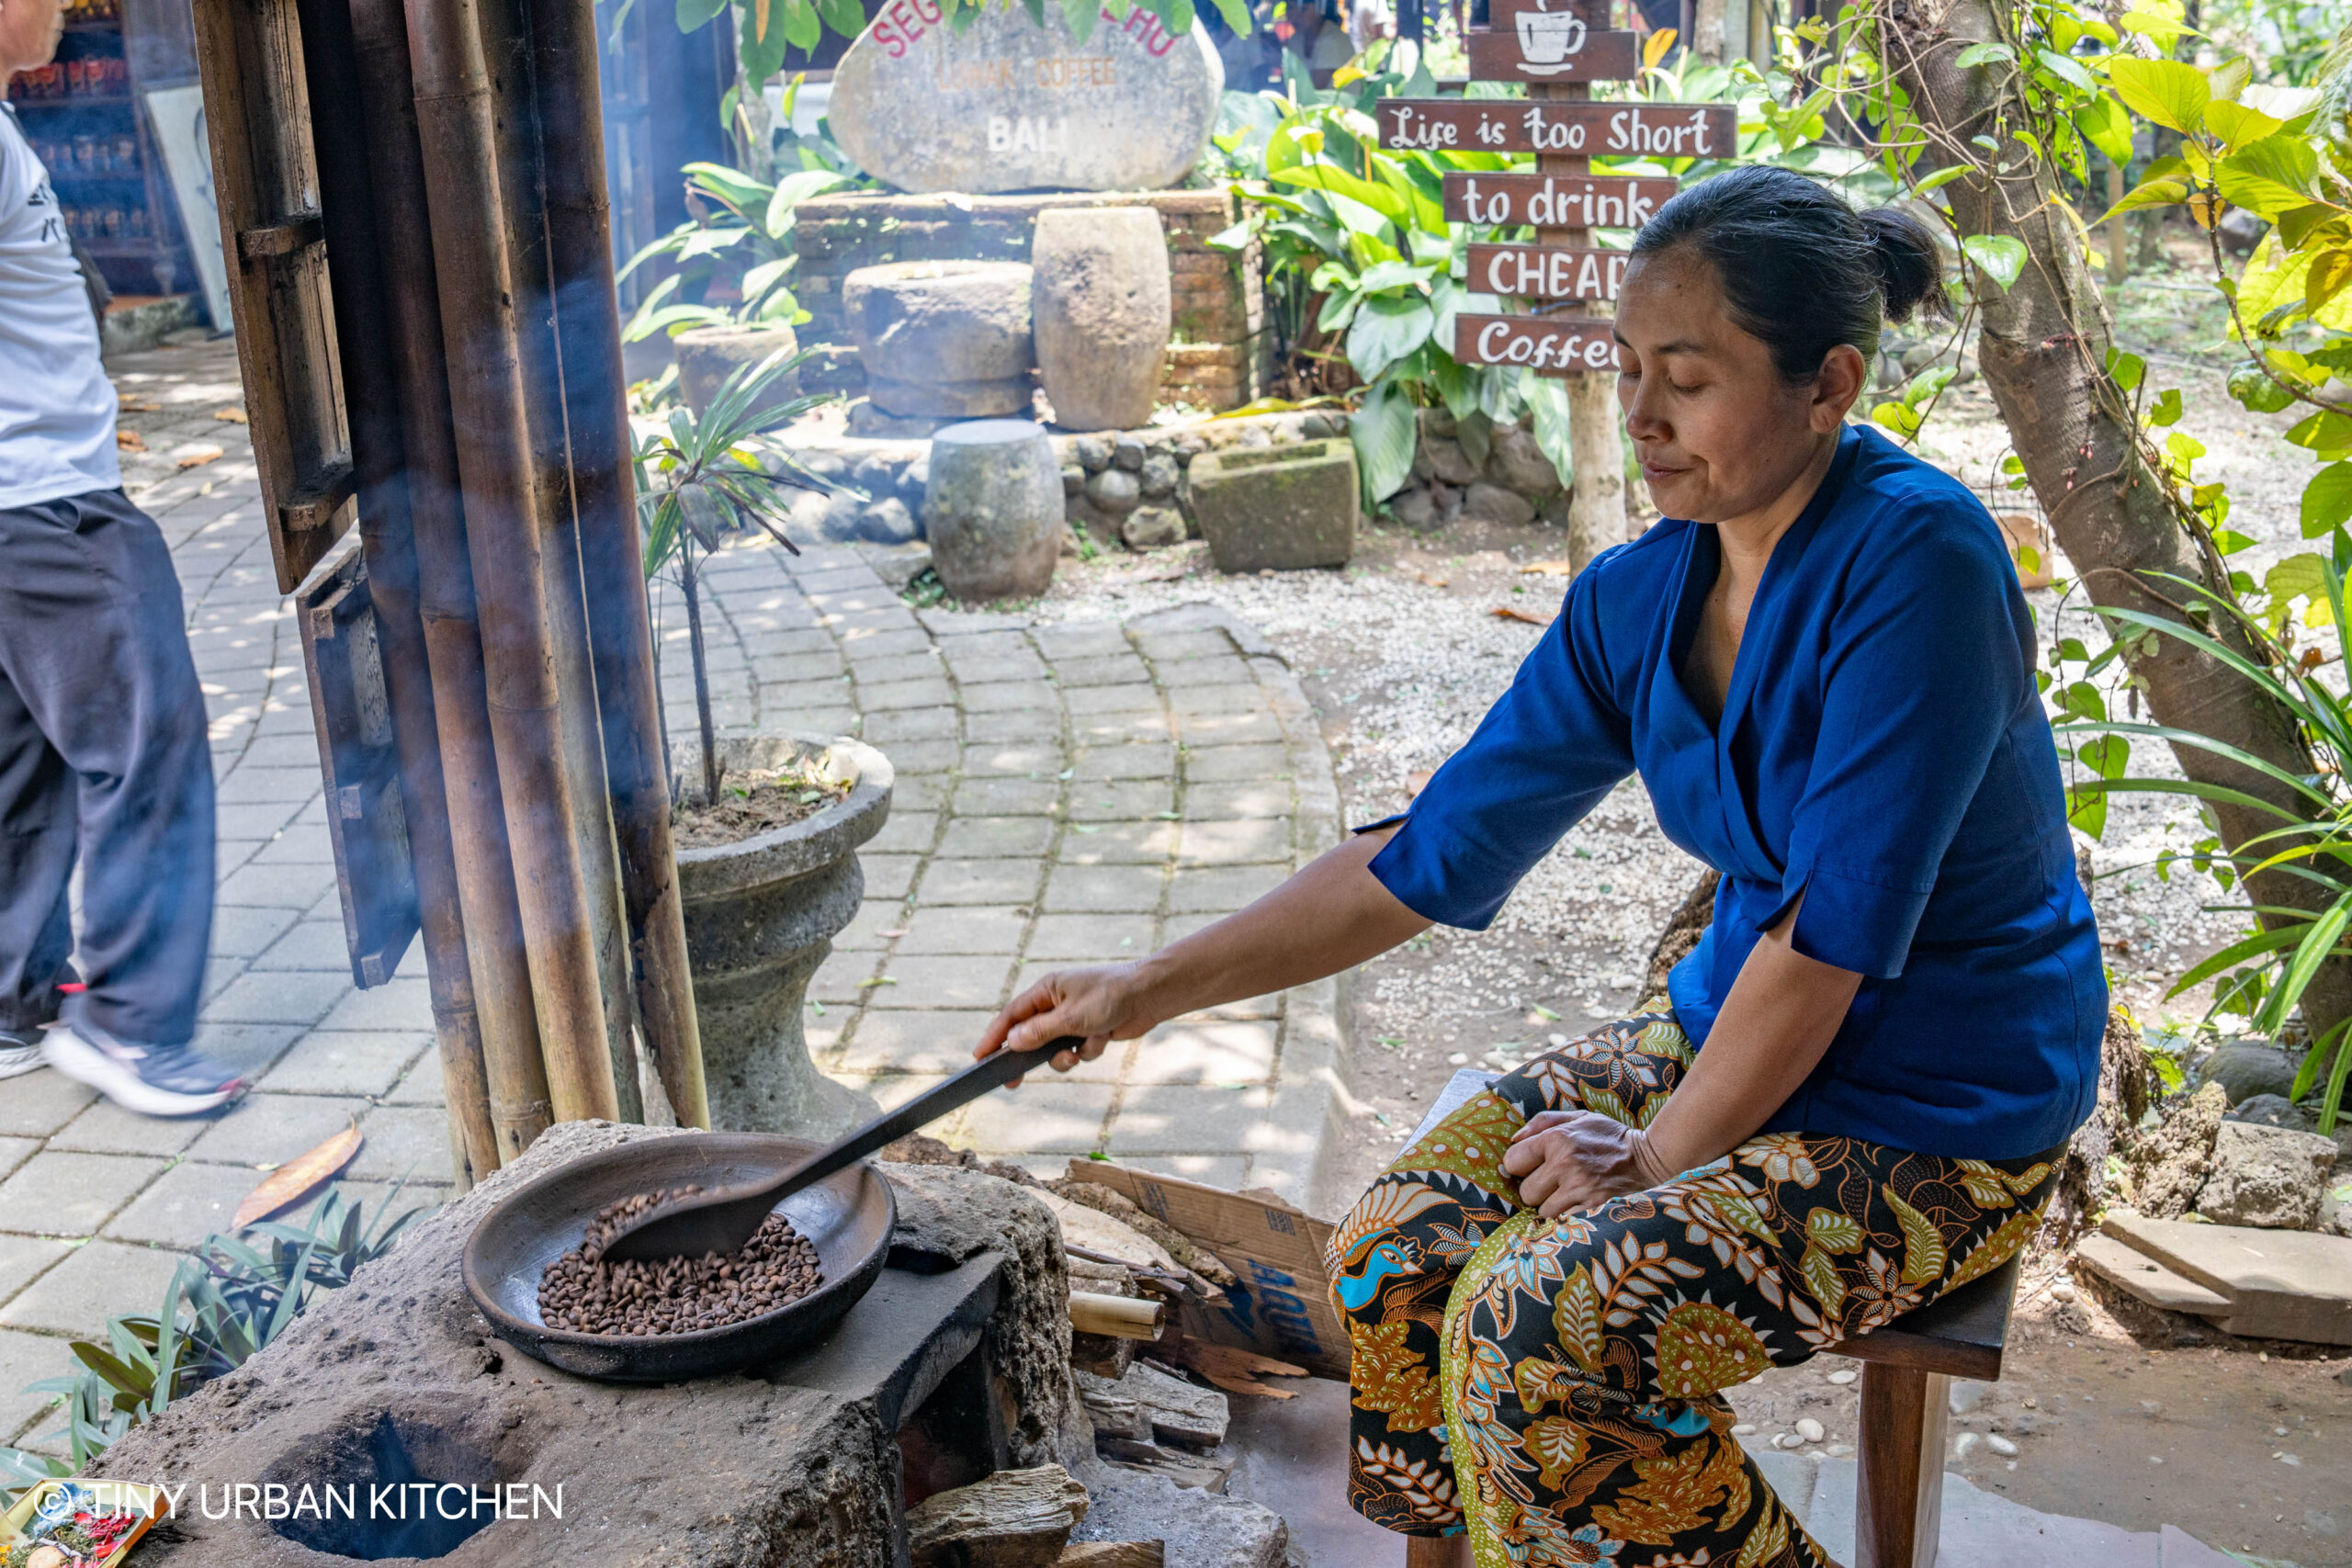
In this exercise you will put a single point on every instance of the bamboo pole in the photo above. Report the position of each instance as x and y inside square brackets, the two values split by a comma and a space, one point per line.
[455, 127]
[578, 232]
[338, 138]
[506, 39]
[519, 1103]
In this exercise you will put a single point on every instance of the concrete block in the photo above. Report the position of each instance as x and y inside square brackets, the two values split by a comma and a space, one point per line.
[1040, 758]
[929, 1043]
[1007, 796]
[404, 1002]
[403, 1141]
[1250, 843]
[990, 838]
[1117, 843]
[27, 1358]
[1236, 764]
[925, 981]
[909, 832]
[888, 876]
[979, 929]
[1185, 1118]
[247, 931]
[1282, 508]
[1222, 889]
[1140, 760]
[22, 1259]
[274, 1128]
[1108, 889]
[185, 1204]
[1047, 1115]
[58, 1193]
[1206, 802]
[1206, 1051]
[937, 723]
[1124, 800]
[107, 1128]
[1090, 939]
[988, 882]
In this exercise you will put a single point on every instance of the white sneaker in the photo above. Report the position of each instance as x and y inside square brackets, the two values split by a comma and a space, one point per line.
[153, 1080]
[19, 1053]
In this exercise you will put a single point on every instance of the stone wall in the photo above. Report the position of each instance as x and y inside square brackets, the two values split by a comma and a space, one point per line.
[1217, 359]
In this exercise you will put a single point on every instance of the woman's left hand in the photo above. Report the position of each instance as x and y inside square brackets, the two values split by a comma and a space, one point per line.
[1568, 1160]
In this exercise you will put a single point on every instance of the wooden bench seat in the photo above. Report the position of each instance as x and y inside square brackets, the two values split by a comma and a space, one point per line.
[1908, 1368]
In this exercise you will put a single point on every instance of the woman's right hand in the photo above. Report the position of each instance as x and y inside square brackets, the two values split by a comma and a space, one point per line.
[1100, 1004]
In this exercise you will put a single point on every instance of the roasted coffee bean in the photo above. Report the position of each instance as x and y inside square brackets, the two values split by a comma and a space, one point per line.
[676, 1295]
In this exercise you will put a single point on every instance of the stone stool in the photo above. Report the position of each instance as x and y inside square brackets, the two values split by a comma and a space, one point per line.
[992, 508]
[943, 339]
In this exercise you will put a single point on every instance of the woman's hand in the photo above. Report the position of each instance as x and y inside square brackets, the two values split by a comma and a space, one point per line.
[1568, 1160]
[1101, 1004]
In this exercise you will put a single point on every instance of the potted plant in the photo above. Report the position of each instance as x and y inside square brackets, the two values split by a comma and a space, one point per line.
[739, 240]
[767, 863]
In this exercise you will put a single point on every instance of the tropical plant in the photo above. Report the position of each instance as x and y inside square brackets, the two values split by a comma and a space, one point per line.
[700, 477]
[740, 241]
[234, 1297]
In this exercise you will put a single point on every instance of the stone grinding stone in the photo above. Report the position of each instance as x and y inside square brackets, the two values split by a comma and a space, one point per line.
[1007, 105]
[947, 339]
[722, 1472]
[1014, 1518]
[1283, 509]
[1102, 311]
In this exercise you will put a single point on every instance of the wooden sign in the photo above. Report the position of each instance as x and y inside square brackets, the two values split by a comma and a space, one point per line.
[1553, 46]
[1588, 129]
[1555, 344]
[1547, 272]
[1557, 201]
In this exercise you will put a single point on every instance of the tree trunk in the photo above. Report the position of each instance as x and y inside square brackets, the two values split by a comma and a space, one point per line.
[2043, 353]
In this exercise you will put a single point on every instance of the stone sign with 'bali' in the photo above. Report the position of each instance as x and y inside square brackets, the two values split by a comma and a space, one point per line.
[1008, 105]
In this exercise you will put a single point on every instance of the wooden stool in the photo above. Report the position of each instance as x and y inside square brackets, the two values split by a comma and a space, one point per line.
[1907, 1414]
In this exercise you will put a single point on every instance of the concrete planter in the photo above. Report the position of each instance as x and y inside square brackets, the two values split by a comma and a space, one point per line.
[708, 355]
[760, 916]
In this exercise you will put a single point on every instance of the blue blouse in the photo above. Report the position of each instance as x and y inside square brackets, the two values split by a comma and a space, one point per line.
[1882, 751]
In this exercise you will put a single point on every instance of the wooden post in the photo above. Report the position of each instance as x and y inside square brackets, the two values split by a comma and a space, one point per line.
[338, 133]
[604, 500]
[519, 1107]
[476, 276]
[1597, 491]
[1898, 1500]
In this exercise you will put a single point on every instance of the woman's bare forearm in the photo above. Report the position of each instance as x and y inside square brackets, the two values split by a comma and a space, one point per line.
[1332, 916]
[1774, 1028]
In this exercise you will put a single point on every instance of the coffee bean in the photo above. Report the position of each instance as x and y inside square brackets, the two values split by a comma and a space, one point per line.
[675, 1295]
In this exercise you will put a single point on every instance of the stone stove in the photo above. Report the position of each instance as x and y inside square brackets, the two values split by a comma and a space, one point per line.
[955, 1364]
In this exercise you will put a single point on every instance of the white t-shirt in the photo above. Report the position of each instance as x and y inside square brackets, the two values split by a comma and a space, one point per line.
[57, 408]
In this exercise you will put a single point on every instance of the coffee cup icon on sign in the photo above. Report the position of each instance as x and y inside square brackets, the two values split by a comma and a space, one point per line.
[1546, 38]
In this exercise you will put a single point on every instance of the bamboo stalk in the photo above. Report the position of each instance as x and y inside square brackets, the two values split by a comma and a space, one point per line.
[579, 233]
[387, 539]
[1120, 1317]
[519, 1106]
[506, 39]
[476, 280]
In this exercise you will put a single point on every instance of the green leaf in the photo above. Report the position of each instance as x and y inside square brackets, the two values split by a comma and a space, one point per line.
[2066, 68]
[1942, 177]
[693, 14]
[2269, 177]
[2236, 125]
[2258, 391]
[2166, 91]
[1382, 432]
[1977, 54]
[2106, 125]
[1386, 330]
[2126, 367]
[2326, 431]
[2001, 256]
[2327, 500]
[2167, 408]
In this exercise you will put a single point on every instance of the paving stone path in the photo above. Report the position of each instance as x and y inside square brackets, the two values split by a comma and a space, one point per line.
[1065, 793]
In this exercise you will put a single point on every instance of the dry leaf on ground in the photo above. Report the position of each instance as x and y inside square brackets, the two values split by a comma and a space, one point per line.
[230, 416]
[136, 405]
[1505, 613]
[1232, 1370]
[293, 1180]
[1431, 581]
[1549, 568]
[197, 456]
[130, 441]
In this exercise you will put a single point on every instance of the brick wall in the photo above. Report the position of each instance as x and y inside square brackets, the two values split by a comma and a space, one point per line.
[1218, 356]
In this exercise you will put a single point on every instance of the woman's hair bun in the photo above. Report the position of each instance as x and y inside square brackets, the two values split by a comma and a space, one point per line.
[1910, 270]
[1799, 267]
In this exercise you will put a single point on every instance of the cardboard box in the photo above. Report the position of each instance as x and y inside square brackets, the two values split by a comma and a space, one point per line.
[1283, 1305]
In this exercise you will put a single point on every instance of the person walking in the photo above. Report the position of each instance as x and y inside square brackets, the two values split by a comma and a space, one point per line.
[102, 749]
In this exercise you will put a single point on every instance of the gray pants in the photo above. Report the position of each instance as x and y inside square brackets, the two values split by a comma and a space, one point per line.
[103, 753]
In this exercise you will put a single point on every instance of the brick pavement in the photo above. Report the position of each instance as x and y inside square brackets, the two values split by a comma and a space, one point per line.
[1067, 793]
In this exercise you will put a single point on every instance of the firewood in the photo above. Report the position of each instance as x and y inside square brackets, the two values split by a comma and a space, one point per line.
[1014, 1518]
[1114, 1554]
